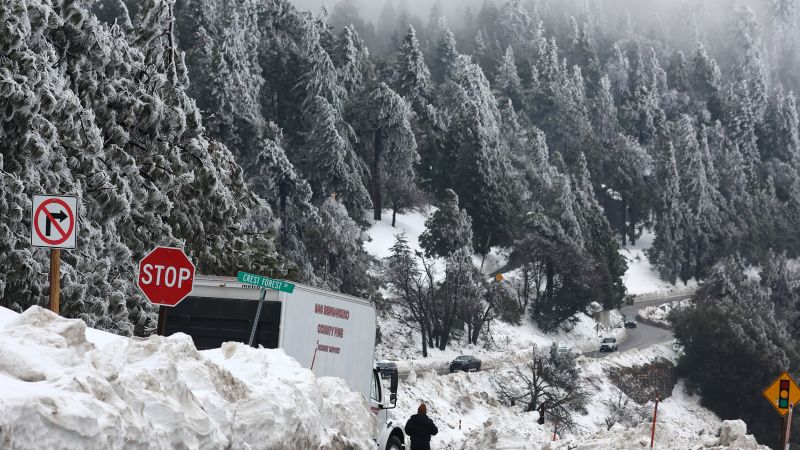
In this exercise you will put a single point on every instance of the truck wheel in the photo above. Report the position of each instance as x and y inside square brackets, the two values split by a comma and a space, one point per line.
[394, 444]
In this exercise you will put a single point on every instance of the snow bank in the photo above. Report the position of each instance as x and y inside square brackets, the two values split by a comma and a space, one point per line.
[60, 390]
[658, 314]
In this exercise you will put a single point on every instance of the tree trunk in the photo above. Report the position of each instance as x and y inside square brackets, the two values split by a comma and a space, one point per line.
[424, 342]
[548, 289]
[283, 193]
[376, 174]
[394, 215]
[624, 220]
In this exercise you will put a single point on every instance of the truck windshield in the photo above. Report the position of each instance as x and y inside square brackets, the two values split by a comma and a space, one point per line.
[609, 340]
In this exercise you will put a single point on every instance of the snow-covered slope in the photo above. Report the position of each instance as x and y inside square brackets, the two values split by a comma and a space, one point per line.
[466, 408]
[382, 236]
[65, 387]
[641, 277]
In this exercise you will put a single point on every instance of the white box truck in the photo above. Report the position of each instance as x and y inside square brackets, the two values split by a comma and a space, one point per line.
[330, 333]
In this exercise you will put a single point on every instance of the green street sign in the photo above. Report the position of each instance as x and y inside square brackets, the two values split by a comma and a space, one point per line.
[264, 282]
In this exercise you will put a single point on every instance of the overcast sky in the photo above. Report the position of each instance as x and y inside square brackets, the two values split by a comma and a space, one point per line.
[454, 9]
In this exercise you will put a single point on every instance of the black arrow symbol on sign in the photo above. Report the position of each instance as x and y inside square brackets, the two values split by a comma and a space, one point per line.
[60, 216]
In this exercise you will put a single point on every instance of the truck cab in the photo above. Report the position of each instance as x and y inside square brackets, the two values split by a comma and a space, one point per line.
[390, 435]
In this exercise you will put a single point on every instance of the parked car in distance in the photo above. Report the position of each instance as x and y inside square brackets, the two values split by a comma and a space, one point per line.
[630, 324]
[562, 349]
[386, 368]
[465, 363]
[608, 345]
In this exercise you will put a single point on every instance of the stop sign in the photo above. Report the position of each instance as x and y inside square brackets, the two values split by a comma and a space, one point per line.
[166, 276]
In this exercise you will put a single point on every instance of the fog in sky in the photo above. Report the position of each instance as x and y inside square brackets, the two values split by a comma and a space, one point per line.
[454, 10]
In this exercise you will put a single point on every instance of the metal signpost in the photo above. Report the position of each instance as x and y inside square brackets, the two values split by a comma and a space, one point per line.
[264, 283]
[54, 225]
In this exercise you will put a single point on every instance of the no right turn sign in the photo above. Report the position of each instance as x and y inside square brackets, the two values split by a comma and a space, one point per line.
[54, 221]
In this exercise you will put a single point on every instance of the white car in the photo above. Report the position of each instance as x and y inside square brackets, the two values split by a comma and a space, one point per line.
[608, 345]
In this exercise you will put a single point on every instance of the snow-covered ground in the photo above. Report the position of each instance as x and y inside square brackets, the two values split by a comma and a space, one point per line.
[63, 386]
[404, 346]
[641, 277]
[382, 236]
[658, 314]
[467, 410]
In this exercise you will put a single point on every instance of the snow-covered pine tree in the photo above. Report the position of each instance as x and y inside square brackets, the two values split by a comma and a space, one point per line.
[705, 80]
[448, 229]
[410, 75]
[408, 287]
[678, 72]
[667, 253]
[329, 159]
[386, 118]
[352, 62]
[508, 85]
[335, 245]
[750, 67]
[701, 199]
[445, 54]
[482, 173]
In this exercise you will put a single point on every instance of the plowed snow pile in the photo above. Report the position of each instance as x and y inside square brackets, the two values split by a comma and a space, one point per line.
[59, 390]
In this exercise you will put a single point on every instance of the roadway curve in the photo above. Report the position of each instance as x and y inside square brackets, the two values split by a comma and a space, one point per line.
[643, 335]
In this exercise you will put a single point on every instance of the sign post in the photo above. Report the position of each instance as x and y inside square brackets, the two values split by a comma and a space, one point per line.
[166, 276]
[54, 222]
[655, 414]
[783, 394]
[264, 283]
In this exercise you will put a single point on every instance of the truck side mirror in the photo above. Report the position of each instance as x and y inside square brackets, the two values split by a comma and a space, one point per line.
[393, 381]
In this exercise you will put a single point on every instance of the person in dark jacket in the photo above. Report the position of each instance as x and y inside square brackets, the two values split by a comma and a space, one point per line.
[420, 428]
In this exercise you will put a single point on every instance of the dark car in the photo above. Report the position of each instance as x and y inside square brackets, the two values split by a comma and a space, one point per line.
[386, 368]
[465, 363]
[630, 324]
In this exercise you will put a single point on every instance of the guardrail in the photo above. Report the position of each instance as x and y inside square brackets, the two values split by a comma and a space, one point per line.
[666, 295]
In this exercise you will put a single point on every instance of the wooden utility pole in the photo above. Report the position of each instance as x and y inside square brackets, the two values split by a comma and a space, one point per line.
[55, 280]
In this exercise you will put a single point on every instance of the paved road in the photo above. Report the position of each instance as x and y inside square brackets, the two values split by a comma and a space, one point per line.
[640, 337]
[643, 335]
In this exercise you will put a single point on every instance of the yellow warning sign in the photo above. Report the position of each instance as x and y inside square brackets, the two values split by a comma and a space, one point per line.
[783, 394]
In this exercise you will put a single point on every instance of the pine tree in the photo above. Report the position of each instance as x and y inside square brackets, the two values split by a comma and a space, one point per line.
[329, 160]
[407, 285]
[667, 252]
[387, 117]
[352, 62]
[750, 68]
[411, 77]
[705, 79]
[448, 229]
[678, 72]
[507, 82]
[701, 199]
[481, 174]
[445, 54]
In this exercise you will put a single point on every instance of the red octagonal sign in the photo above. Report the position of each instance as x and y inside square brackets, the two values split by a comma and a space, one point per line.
[166, 276]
